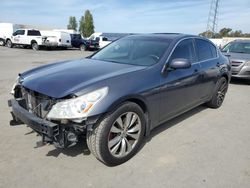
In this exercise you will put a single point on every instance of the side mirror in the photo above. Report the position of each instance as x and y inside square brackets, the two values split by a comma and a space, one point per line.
[179, 64]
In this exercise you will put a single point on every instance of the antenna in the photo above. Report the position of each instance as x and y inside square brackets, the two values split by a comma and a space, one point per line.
[212, 21]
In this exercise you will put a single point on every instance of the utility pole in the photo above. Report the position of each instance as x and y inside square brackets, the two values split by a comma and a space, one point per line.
[212, 21]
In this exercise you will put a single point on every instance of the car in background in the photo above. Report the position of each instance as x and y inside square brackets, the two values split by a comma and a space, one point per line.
[238, 52]
[118, 95]
[6, 30]
[106, 38]
[28, 38]
[83, 44]
[59, 39]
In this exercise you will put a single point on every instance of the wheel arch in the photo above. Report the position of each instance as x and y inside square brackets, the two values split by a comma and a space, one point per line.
[140, 101]
[33, 41]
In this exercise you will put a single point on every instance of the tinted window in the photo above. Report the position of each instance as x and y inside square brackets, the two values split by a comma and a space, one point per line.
[34, 33]
[76, 36]
[143, 51]
[205, 50]
[185, 50]
[19, 32]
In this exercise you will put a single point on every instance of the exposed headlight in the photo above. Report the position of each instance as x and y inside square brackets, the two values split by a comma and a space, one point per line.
[14, 85]
[78, 107]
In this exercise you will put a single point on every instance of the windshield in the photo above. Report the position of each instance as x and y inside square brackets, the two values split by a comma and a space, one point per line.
[134, 50]
[237, 47]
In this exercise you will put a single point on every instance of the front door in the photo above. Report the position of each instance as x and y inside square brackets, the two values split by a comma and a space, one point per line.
[181, 87]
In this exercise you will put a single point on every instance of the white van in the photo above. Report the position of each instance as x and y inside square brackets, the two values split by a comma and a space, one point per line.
[62, 38]
[6, 31]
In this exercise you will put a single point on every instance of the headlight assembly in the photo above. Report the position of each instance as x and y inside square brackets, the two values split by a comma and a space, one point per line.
[14, 85]
[78, 107]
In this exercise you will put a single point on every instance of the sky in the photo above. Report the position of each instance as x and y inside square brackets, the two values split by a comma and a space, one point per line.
[129, 16]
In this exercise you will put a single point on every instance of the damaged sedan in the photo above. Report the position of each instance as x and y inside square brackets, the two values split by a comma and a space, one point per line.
[115, 97]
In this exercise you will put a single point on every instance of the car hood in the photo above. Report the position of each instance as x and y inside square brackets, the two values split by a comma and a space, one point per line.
[59, 80]
[238, 56]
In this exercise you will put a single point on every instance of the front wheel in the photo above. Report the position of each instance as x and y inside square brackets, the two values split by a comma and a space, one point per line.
[219, 93]
[119, 135]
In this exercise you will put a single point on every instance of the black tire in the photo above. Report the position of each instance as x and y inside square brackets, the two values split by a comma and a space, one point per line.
[35, 46]
[99, 138]
[83, 47]
[9, 44]
[219, 93]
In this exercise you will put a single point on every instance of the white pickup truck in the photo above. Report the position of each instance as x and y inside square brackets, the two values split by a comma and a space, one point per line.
[30, 38]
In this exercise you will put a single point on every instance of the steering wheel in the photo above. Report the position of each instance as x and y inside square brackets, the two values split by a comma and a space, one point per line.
[155, 57]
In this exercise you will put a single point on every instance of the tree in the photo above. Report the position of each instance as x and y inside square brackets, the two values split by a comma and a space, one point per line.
[86, 27]
[208, 34]
[225, 32]
[72, 23]
[237, 33]
[81, 25]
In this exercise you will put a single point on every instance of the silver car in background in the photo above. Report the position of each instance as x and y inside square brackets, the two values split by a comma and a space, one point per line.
[238, 52]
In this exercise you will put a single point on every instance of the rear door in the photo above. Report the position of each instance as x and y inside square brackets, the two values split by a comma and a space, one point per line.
[180, 87]
[210, 67]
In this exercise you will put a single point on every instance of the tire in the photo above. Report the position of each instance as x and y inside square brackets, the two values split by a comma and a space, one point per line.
[111, 142]
[219, 93]
[35, 46]
[83, 47]
[9, 44]
[2, 43]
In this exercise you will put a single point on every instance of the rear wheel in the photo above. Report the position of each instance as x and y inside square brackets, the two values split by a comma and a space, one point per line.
[1, 42]
[9, 44]
[83, 47]
[35, 46]
[219, 93]
[119, 135]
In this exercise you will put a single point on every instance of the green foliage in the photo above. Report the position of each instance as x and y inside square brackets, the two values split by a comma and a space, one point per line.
[86, 27]
[224, 32]
[72, 23]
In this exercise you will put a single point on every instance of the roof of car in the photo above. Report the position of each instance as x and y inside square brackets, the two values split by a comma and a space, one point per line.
[242, 40]
[165, 35]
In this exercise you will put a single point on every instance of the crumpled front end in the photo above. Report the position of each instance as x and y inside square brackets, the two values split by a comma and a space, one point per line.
[31, 108]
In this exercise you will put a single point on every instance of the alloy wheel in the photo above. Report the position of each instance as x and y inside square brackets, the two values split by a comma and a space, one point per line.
[124, 134]
[221, 92]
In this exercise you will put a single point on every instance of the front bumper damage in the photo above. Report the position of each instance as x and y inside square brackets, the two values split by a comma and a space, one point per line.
[62, 135]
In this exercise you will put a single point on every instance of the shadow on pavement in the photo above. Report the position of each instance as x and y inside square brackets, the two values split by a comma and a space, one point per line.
[236, 81]
[174, 121]
[81, 146]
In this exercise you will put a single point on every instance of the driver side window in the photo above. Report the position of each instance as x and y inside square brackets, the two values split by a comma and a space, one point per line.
[185, 50]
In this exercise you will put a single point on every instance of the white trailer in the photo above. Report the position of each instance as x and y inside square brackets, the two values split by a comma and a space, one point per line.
[6, 31]
[62, 38]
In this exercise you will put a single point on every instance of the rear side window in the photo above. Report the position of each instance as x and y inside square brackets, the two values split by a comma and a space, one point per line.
[33, 33]
[205, 50]
[185, 50]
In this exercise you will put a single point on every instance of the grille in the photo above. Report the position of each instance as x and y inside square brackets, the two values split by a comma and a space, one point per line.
[236, 63]
[37, 103]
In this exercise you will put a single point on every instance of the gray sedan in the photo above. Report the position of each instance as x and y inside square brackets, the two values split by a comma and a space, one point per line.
[239, 54]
